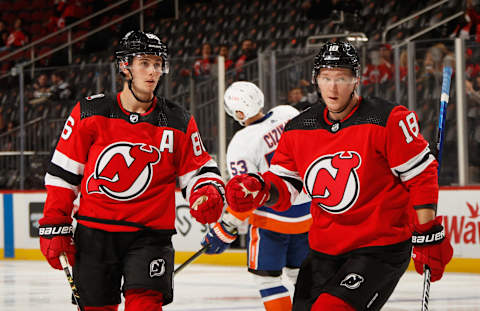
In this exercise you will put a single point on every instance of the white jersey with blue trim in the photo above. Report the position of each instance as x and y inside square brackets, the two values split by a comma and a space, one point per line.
[251, 150]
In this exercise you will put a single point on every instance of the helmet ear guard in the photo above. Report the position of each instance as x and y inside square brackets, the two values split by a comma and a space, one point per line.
[245, 97]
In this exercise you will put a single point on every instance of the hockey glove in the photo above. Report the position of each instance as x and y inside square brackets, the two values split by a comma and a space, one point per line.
[219, 237]
[431, 247]
[206, 202]
[246, 192]
[56, 238]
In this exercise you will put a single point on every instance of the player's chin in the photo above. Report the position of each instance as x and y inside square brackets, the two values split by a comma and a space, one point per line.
[150, 86]
[335, 107]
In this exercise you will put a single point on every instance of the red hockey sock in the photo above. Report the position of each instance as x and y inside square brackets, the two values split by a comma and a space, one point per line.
[143, 299]
[327, 302]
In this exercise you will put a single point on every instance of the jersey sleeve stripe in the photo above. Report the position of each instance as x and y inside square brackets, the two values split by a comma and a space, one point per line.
[414, 166]
[67, 164]
[292, 178]
[298, 185]
[208, 171]
[51, 180]
[60, 172]
[210, 166]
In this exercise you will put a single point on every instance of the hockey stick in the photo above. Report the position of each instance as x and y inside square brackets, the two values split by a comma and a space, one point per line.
[189, 260]
[447, 75]
[66, 269]
[194, 256]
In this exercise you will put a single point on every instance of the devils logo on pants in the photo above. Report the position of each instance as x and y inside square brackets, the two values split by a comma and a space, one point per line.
[332, 181]
[123, 170]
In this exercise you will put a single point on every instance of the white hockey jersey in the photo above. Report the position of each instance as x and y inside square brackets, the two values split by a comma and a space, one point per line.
[251, 150]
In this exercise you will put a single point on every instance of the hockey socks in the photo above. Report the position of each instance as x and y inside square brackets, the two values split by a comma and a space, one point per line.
[327, 302]
[275, 296]
[143, 299]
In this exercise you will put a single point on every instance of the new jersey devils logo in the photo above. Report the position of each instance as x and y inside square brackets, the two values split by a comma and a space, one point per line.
[352, 281]
[123, 170]
[332, 181]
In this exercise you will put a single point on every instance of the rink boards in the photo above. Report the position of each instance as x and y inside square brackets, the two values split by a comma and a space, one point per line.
[20, 211]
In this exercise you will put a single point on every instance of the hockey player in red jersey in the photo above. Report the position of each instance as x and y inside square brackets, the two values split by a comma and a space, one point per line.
[373, 183]
[277, 241]
[123, 155]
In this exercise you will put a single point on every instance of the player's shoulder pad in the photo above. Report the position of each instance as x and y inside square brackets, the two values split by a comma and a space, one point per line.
[286, 109]
[173, 115]
[97, 104]
[307, 119]
[374, 110]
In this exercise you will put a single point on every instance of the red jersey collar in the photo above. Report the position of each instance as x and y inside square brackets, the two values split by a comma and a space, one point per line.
[325, 113]
[152, 106]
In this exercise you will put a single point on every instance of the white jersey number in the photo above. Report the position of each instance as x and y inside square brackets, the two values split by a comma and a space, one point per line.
[197, 144]
[67, 129]
[412, 127]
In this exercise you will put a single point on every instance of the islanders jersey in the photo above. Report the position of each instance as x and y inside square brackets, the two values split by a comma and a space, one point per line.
[364, 173]
[125, 165]
[251, 150]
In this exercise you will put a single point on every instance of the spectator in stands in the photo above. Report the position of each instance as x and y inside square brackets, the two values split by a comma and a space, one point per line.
[223, 51]
[248, 53]
[296, 96]
[380, 68]
[469, 26]
[202, 66]
[41, 89]
[472, 89]
[473, 93]
[429, 76]
[18, 36]
[472, 68]
[60, 89]
[71, 11]
[3, 36]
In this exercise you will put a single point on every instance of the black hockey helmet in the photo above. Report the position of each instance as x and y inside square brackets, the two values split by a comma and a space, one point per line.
[340, 54]
[140, 43]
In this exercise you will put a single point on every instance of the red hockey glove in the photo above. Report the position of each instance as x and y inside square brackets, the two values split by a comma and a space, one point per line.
[56, 238]
[431, 247]
[246, 192]
[206, 202]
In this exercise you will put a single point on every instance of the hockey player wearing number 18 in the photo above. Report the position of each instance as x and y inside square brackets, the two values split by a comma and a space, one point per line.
[277, 241]
[123, 155]
[373, 184]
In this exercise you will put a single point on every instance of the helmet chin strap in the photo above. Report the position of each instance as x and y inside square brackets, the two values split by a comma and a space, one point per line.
[133, 93]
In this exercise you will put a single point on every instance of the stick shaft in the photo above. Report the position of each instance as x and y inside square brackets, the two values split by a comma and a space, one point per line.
[447, 75]
[426, 287]
[66, 269]
[192, 258]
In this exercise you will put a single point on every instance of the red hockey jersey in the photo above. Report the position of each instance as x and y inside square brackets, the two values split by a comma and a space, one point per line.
[364, 173]
[125, 165]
